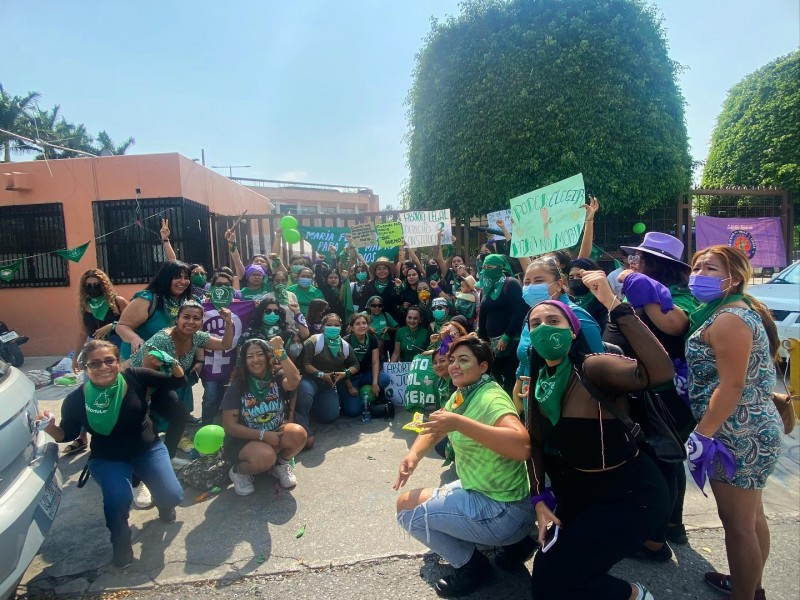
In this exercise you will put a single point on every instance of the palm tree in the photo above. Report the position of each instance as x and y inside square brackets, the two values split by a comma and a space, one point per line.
[106, 145]
[13, 117]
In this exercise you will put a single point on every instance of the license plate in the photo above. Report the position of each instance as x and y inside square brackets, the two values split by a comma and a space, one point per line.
[51, 499]
[8, 336]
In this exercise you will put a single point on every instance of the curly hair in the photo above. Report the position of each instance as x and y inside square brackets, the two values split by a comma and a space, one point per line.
[108, 290]
[240, 372]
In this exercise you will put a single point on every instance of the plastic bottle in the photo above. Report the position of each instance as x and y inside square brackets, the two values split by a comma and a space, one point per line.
[366, 416]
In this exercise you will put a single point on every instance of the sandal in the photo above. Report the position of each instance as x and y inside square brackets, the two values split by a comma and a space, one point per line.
[722, 583]
[75, 447]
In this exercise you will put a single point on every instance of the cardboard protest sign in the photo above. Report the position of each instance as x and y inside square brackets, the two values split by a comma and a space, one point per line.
[396, 390]
[549, 218]
[422, 385]
[363, 234]
[390, 234]
[421, 227]
[492, 219]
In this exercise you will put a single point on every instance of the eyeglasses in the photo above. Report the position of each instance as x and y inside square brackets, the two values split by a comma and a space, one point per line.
[272, 311]
[96, 364]
[221, 284]
[634, 259]
[376, 305]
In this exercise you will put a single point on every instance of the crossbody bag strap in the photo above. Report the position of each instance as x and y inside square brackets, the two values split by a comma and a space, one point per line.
[634, 427]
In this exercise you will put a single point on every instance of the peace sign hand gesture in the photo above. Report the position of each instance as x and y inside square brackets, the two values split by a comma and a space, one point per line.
[165, 230]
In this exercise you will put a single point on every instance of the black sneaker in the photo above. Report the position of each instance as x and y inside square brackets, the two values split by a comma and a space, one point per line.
[677, 534]
[192, 420]
[663, 554]
[167, 515]
[465, 580]
[123, 555]
[513, 555]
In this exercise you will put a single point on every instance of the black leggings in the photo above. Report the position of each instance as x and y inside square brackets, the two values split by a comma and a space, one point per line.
[605, 516]
[504, 369]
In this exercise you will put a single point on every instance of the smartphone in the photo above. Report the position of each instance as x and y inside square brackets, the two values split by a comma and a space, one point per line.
[550, 538]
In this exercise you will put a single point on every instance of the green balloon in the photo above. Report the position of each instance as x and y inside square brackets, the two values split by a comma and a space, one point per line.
[288, 222]
[639, 228]
[208, 439]
[366, 394]
[291, 235]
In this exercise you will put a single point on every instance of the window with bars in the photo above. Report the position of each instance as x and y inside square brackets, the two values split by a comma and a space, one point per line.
[34, 231]
[129, 247]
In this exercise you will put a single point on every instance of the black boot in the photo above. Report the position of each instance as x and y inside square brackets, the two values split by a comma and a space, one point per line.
[515, 554]
[465, 580]
[123, 554]
[167, 515]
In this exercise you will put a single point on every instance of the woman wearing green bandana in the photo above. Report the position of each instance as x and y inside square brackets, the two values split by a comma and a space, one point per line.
[490, 502]
[610, 495]
[113, 407]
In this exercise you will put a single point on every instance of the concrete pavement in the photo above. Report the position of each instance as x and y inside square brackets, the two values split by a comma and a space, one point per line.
[345, 501]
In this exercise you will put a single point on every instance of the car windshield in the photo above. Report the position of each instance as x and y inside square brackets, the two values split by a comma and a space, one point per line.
[789, 275]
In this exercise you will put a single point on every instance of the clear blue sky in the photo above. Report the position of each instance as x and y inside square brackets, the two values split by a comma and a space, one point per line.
[309, 90]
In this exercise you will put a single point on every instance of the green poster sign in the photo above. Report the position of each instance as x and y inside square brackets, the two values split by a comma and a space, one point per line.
[221, 296]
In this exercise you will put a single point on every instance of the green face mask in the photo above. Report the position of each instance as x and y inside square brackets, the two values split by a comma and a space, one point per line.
[552, 343]
[491, 275]
[271, 318]
[439, 314]
[198, 280]
[361, 276]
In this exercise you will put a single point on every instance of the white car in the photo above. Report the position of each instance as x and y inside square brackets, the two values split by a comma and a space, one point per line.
[781, 294]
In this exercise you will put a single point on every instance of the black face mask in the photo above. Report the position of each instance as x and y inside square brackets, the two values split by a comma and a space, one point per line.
[577, 287]
[431, 270]
[93, 290]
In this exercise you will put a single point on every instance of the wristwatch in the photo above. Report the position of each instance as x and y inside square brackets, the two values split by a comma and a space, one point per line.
[320, 374]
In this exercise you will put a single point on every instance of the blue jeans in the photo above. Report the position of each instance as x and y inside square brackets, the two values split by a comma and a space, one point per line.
[352, 406]
[318, 400]
[114, 478]
[213, 391]
[454, 520]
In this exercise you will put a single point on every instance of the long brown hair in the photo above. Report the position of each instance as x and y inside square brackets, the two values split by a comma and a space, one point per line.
[108, 290]
[738, 267]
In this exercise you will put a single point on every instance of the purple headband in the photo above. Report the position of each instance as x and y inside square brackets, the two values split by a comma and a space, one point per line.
[574, 323]
[254, 269]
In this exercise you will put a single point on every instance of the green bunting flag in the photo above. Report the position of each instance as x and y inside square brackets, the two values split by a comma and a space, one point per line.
[73, 254]
[8, 271]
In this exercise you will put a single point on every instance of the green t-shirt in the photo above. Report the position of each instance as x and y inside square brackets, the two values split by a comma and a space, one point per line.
[381, 322]
[411, 343]
[305, 296]
[479, 468]
[257, 295]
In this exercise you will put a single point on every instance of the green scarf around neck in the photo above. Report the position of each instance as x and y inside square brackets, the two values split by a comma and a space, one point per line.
[584, 301]
[259, 387]
[701, 315]
[549, 389]
[103, 404]
[334, 345]
[463, 396]
[98, 307]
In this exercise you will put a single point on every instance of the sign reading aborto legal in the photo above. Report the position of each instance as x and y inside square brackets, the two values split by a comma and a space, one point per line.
[549, 218]
[421, 227]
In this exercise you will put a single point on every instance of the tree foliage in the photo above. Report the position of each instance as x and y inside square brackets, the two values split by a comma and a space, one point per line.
[512, 95]
[22, 115]
[756, 141]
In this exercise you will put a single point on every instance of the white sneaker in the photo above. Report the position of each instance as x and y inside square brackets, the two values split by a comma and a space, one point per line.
[179, 463]
[242, 484]
[644, 593]
[285, 475]
[142, 497]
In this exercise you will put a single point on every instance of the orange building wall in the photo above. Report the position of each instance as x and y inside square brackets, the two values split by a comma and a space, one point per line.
[49, 315]
[312, 197]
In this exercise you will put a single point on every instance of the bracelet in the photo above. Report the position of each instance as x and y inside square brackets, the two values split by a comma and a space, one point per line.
[114, 326]
[281, 354]
[261, 436]
[166, 241]
[347, 373]
[320, 374]
[232, 247]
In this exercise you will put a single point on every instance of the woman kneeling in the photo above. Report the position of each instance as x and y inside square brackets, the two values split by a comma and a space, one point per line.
[490, 504]
[258, 437]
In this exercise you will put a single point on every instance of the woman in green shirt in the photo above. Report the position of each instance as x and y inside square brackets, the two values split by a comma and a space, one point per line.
[490, 503]
[383, 324]
[411, 339]
[256, 283]
[304, 289]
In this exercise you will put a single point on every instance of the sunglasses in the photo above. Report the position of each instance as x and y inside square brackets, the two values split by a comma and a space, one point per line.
[376, 305]
[272, 311]
[222, 284]
[634, 259]
[96, 364]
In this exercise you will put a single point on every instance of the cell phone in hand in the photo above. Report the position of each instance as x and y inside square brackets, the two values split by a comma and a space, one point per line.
[550, 538]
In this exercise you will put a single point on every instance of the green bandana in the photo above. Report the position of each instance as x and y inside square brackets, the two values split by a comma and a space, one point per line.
[381, 286]
[584, 301]
[359, 349]
[701, 315]
[550, 389]
[103, 404]
[259, 387]
[98, 306]
[492, 282]
[281, 294]
[464, 395]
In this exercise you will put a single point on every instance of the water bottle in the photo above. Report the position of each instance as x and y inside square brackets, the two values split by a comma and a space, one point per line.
[366, 416]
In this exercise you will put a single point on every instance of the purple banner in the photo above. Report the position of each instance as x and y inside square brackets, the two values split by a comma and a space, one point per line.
[219, 365]
[761, 239]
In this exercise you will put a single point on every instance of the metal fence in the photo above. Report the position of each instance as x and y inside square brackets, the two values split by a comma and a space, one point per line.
[34, 231]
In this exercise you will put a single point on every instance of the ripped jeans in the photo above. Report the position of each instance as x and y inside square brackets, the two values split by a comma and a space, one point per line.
[453, 520]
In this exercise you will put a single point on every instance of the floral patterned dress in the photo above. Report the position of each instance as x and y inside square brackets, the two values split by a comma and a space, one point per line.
[753, 432]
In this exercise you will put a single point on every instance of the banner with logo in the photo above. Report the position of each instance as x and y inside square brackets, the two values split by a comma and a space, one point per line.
[218, 364]
[322, 238]
[760, 238]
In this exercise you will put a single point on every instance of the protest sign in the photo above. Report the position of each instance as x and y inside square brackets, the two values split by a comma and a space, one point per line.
[422, 389]
[322, 238]
[549, 218]
[390, 234]
[218, 364]
[363, 234]
[421, 227]
[396, 390]
[760, 238]
[492, 220]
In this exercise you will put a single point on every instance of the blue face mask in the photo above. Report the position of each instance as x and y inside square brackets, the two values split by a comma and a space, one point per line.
[332, 332]
[305, 282]
[705, 288]
[535, 293]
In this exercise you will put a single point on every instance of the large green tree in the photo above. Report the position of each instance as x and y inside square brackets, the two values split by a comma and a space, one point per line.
[13, 118]
[511, 95]
[756, 140]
